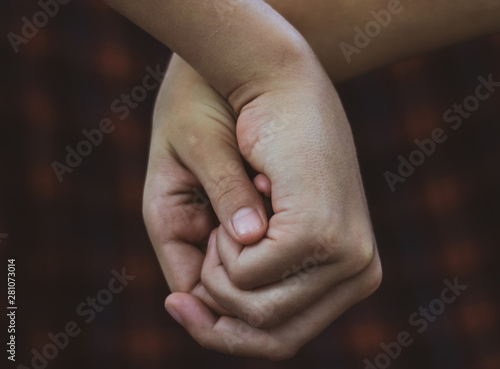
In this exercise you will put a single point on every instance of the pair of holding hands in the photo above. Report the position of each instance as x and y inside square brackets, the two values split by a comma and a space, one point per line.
[244, 283]
[254, 275]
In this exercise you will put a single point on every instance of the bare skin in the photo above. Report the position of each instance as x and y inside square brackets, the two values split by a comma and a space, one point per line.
[420, 27]
[247, 300]
[263, 299]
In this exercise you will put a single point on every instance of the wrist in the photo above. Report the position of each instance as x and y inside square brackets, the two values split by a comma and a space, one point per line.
[292, 64]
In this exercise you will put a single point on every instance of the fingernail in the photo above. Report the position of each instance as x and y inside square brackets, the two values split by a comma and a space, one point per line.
[246, 220]
[210, 239]
[174, 314]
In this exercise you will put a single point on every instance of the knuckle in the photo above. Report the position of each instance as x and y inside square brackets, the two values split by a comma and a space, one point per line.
[157, 208]
[270, 321]
[147, 212]
[224, 297]
[206, 277]
[329, 244]
[355, 249]
[343, 239]
[159, 220]
[240, 278]
[362, 254]
[247, 143]
[150, 207]
[230, 188]
[261, 316]
[248, 135]
[374, 277]
[370, 279]
[204, 342]
[280, 351]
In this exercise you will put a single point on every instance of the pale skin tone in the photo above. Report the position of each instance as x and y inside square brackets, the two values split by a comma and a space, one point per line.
[342, 272]
[420, 27]
[279, 112]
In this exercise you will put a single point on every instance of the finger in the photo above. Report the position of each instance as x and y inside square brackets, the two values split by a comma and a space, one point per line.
[201, 292]
[289, 245]
[283, 249]
[178, 222]
[217, 333]
[174, 219]
[181, 265]
[212, 155]
[273, 304]
[234, 336]
[263, 184]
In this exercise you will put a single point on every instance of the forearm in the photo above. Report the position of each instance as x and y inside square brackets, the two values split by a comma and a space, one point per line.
[419, 27]
[238, 46]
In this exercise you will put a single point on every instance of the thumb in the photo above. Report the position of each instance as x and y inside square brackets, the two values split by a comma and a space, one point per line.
[238, 204]
[189, 310]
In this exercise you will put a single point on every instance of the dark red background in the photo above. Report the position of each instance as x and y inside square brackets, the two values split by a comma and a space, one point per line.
[442, 223]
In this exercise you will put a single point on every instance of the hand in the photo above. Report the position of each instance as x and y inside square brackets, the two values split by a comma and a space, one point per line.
[319, 251]
[194, 139]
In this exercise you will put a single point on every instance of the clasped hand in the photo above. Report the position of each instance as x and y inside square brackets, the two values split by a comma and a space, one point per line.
[244, 281]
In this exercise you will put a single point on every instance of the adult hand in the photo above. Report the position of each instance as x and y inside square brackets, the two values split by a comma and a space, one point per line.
[194, 139]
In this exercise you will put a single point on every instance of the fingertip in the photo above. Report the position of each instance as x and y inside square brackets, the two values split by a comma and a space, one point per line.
[246, 221]
[175, 314]
[171, 303]
[249, 225]
[263, 184]
[189, 311]
[212, 256]
[211, 238]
